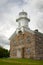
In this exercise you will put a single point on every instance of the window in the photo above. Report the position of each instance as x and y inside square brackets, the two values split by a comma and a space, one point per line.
[21, 41]
[20, 32]
[19, 49]
[28, 50]
[14, 52]
[28, 39]
[15, 43]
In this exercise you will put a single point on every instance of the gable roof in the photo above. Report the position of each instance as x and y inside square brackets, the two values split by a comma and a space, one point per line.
[14, 34]
[26, 30]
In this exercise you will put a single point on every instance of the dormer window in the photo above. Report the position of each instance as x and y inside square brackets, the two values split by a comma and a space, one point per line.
[20, 32]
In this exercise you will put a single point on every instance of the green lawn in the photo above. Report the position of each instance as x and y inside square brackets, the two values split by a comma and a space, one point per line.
[9, 61]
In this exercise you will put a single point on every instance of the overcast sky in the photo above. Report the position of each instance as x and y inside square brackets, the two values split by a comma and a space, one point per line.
[9, 10]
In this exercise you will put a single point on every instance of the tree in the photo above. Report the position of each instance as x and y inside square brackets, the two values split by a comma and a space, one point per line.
[4, 52]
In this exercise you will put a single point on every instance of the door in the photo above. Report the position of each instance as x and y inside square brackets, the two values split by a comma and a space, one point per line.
[18, 53]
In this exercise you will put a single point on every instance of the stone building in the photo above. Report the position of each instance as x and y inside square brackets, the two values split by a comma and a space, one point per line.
[25, 43]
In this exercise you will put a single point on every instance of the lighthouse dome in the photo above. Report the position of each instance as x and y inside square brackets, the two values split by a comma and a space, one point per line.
[23, 14]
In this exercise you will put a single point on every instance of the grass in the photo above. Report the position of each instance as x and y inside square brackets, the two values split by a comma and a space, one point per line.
[9, 61]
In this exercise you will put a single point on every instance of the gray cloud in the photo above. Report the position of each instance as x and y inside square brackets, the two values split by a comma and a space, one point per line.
[9, 10]
[39, 7]
[36, 14]
[2, 2]
[5, 5]
[4, 40]
[18, 2]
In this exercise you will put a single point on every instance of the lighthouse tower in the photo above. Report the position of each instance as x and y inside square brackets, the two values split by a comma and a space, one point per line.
[23, 21]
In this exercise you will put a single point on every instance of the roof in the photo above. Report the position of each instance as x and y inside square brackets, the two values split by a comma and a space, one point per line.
[26, 30]
[14, 34]
[22, 18]
[38, 33]
[23, 12]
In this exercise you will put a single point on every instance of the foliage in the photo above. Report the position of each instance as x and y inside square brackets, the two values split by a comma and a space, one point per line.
[4, 52]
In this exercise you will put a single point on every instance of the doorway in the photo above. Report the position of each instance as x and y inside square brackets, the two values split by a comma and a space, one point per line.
[19, 53]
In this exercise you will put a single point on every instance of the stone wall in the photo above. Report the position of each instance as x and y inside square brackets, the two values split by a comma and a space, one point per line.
[31, 45]
[25, 41]
[39, 45]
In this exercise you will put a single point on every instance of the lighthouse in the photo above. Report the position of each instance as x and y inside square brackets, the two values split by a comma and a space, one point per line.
[25, 43]
[23, 22]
